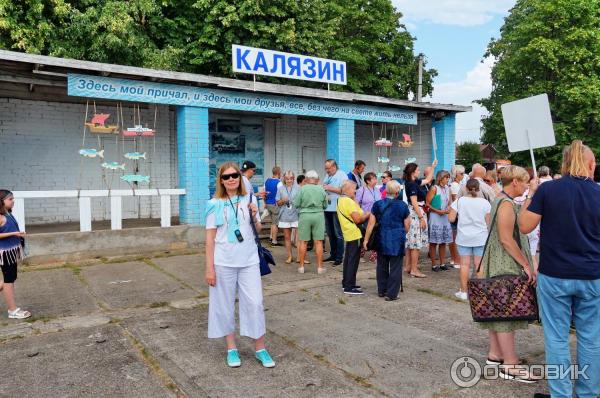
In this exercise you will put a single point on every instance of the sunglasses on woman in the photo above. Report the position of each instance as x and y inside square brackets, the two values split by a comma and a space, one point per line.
[226, 177]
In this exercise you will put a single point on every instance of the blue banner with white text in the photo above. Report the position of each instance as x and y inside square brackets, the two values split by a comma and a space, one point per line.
[174, 94]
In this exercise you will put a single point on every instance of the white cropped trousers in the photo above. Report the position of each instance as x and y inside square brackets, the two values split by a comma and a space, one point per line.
[221, 305]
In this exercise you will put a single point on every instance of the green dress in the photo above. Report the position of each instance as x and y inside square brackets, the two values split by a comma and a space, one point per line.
[496, 261]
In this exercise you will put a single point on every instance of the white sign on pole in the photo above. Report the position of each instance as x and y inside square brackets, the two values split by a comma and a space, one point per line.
[434, 142]
[528, 125]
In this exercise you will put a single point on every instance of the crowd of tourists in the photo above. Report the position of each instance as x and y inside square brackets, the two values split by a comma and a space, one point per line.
[493, 222]
[487, 223]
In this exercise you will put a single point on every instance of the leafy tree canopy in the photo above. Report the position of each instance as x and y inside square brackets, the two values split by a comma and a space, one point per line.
[468, 153]
[548, 47]
[196, 36]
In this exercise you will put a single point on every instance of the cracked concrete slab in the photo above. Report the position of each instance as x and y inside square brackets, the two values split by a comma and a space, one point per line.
[133, 284]
[85, 362]
[50, 293]
[178, 341]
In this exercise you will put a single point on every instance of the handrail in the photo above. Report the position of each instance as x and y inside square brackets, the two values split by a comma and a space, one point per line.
[85, 206]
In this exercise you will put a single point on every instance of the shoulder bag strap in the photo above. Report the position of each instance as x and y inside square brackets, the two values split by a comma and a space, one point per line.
[489, 234]
[256, 238]
[343, 215]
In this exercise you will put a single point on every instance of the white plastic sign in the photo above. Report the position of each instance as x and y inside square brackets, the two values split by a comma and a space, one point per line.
[528, 123]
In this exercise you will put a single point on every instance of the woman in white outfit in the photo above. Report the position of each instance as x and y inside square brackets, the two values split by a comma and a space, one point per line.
[232, 265]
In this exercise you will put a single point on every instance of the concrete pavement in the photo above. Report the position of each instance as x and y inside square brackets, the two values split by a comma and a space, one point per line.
[137, 327]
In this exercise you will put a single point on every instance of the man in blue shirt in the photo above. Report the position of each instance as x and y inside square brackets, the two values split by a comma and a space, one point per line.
[334, 178]
[271, 186]
[568, 283]
[356, 173]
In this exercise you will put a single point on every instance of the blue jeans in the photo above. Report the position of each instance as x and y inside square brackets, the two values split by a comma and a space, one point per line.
[559, 299]
[334, 232]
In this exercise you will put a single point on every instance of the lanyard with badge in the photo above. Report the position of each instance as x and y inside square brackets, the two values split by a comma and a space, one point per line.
[289, 196]
[238, 234]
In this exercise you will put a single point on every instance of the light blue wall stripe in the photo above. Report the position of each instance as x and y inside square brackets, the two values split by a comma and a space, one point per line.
[340, 142]
[445, 133]
[193, 160]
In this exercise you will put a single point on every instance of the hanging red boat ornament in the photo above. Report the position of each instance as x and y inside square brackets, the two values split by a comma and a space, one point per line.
[407, 143]
[97, 125]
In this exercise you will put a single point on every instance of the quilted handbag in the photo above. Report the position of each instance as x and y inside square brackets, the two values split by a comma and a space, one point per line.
[503, 297]
[264, 255]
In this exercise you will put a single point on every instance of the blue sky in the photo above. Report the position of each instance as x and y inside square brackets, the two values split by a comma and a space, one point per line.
[454, 34]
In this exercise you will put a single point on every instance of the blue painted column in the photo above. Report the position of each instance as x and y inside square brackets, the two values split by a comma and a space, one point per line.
[192, 158]
[340, 142]
[445, 134]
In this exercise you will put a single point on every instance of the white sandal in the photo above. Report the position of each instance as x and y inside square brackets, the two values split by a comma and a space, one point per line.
[19, 314]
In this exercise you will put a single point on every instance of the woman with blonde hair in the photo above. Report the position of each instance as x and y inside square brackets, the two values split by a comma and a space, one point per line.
[507, 253]
[568, 284]
[232, 266]
[288, 214]
[440, 230]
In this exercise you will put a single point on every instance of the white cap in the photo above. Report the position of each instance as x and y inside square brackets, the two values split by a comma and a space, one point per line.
[312, 174]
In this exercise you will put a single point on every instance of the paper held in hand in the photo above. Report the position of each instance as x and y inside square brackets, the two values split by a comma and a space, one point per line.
[528, 125]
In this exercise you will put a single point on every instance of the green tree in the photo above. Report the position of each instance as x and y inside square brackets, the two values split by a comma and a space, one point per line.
[196, 36]
[468, 153]
[548, 47]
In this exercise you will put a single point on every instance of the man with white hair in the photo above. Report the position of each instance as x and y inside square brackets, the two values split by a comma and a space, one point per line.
[485, 191]
[332, 184]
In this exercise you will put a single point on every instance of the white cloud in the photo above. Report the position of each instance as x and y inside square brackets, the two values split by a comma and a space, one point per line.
[476, 85]
[452, 12]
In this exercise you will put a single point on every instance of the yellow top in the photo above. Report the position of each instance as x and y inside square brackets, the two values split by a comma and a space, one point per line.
[345, 207]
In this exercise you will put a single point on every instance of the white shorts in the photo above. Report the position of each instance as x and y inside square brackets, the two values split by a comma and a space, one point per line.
[283, 224]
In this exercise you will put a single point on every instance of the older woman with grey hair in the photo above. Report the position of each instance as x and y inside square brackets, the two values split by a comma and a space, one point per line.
[311, 203]
[393, 217]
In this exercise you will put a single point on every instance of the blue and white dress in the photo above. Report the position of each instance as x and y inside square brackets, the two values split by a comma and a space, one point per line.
[440, 229]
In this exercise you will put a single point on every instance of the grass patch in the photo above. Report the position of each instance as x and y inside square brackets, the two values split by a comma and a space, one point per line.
[150, 263]
[43, 319]
[342, 300]
[439, 294]
[154, 365]
[159, 304]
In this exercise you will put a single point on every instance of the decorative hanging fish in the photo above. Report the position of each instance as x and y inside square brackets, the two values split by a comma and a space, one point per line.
[135, 155]
[113, 165]
[394, 168]
[410, 160]
[135, 178]
[383, 159]
[91, 153]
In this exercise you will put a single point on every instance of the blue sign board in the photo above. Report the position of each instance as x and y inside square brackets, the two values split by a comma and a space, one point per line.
[258, 61]
[174, 94]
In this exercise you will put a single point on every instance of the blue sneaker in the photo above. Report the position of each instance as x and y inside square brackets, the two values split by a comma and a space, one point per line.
[233, 359]
[264, 358]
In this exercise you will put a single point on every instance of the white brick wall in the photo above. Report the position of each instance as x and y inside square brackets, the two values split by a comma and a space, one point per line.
[421, 149]
[39, 143]
[296, 137]
[40, 140]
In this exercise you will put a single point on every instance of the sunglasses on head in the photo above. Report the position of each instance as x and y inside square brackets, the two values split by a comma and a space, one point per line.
[226, 177]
